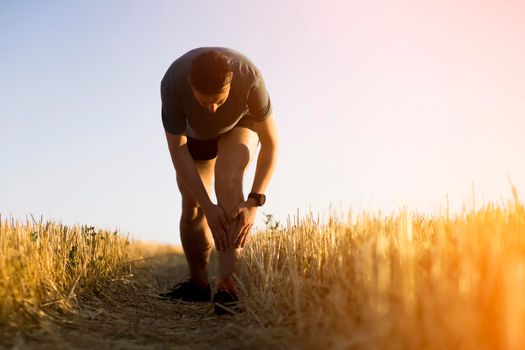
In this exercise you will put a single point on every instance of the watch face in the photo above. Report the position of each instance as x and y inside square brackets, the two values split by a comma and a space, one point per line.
[260, 199]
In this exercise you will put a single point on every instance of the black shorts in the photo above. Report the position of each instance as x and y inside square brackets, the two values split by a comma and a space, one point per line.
[207, 149]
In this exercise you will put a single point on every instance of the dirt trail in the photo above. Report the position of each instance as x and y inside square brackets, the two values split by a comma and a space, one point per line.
[128, 315]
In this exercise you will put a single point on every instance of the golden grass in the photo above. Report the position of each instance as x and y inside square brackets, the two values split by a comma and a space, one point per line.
[366, 281]
[398, 282]
[46, 268]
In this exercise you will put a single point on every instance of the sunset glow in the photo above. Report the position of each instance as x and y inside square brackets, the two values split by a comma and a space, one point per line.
[380, 104]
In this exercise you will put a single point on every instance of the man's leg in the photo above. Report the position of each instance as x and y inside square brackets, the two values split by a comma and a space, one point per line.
[194, 231]
[235, 151]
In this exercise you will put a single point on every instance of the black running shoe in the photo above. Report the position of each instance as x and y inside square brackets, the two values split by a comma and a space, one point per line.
[226, 302]
[188, 291]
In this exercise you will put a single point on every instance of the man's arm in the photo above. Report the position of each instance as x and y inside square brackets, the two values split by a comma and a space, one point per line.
[267, 159]
[185, 167]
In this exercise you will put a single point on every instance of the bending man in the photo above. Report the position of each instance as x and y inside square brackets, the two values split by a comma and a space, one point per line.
[215, 112]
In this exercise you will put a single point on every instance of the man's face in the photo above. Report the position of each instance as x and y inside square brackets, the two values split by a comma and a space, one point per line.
[212, 102]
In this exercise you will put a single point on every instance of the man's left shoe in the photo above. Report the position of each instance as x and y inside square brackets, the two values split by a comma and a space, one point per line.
[226, 302]
[188, 291]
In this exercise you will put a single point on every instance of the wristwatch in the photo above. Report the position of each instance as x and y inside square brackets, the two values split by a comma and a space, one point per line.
[259, 198]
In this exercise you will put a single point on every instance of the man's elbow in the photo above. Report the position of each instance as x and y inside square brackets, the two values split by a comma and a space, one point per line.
[177, 145]
[270, 146]
[176, 142]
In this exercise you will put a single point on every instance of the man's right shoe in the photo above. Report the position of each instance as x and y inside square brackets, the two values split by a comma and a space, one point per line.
[188, 291]
[226, 303]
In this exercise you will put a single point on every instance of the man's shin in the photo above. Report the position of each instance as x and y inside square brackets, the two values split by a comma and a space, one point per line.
[228, 265]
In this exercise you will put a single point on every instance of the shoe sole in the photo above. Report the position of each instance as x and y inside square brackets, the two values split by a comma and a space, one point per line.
[228, 308]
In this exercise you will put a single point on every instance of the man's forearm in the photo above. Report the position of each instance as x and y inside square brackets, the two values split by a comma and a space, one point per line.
[185, 167]
[266, 163]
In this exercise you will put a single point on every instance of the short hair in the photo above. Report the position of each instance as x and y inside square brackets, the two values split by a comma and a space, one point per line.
[209, 72]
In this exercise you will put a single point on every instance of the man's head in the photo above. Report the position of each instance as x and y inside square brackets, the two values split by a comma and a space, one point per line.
[210, 79]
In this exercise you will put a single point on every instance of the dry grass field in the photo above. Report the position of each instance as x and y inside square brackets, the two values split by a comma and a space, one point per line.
[363, 281]
[398, 282]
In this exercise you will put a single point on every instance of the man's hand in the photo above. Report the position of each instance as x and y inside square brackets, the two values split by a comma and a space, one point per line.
[219, 226]
[245, 215]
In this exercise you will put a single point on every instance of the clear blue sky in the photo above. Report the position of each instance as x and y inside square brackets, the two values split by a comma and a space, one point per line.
[379, 103]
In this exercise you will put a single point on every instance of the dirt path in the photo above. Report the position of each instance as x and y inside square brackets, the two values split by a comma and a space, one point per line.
[128, 315]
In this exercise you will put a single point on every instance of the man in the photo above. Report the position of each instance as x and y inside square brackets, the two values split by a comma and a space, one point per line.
[215, 111]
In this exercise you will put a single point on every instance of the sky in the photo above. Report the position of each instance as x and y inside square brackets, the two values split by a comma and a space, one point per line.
[380, 105]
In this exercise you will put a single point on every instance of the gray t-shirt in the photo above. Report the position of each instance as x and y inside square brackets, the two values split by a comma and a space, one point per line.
[181, 112]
